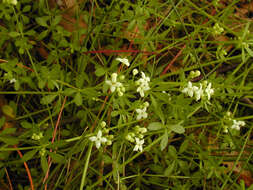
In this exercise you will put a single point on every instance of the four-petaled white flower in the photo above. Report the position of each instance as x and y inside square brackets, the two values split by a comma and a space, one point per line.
[189, 90]
[236, 124]
[113, 83]
[124, 61]
[139, 144]
[98, 139]
[141, 113]
[143, 84]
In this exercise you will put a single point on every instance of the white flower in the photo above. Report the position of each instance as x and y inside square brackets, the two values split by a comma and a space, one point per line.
[198, 92]
[141, 113]
[236, 124]
[13, 80]
[139, 144]
[114, 84]
[209, 91]
[124, 61]
[143, 84]
[98, 139]
[135, 72]
[189, 90]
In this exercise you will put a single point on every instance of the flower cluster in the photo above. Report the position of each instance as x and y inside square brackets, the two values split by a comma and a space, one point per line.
[143, 84]
[115, 85]
[42, 152]
[237, 124]
[217, 29]
[142, 112]
[100, 139]
[37, 136]
[232, 123]
[137, 137]
[204, 90]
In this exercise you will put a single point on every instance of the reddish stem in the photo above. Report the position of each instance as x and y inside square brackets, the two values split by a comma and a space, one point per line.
[52, 141]
[173, 60]
[9, 180]
[26, 168]
[23, 66]
[119, 51]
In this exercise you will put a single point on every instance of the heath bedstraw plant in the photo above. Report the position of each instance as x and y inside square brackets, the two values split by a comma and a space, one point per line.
[156, 122]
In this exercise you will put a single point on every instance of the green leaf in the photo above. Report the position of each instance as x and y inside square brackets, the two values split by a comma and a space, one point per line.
[43, 162]
[48, 99]
[69, 91]
[14, 34]
[157, 109]
[56, 157]
[100, 71]
[78, 99]
[107, 159]
[164, 141]
[56, 20]
[172, 152]
[184, 146]
[2, 121]
[155, 126]
[28, 155]
[42, 35]
[9, 140]
[177, 128]
[27, 8]
[42, 21]
[8, 111]
[250, 52]
[8, 131]
[26, 125]
[169, 169]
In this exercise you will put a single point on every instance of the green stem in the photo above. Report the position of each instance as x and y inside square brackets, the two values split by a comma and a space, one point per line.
[86, 167]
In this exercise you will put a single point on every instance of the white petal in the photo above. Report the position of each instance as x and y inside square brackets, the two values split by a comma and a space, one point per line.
[114, 77]
[93, 138]
[136, 148]
[113, 88]
[99, 135]
[98, 144]
[103, 139]
[142, 93]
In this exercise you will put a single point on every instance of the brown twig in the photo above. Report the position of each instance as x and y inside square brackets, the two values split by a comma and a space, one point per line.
[26, 168]
[8, 177]
[52, 141]
[173, 60]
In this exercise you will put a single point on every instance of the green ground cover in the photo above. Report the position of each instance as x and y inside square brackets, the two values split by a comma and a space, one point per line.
[115, 95]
